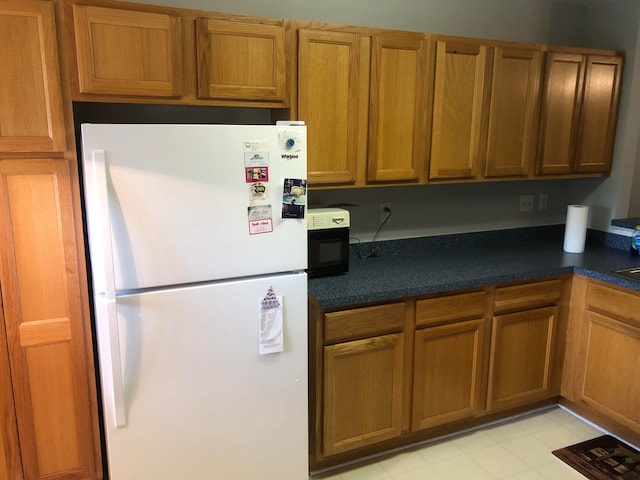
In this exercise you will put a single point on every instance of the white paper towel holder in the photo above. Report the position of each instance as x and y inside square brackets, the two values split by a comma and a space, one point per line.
[575, 231]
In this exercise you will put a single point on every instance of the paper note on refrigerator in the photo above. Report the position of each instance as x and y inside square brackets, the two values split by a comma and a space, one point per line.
[270, 308]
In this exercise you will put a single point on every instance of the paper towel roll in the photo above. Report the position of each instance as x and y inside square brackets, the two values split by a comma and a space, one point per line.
[575, 230]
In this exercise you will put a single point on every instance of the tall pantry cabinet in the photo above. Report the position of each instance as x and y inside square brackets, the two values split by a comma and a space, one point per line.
[47, 400]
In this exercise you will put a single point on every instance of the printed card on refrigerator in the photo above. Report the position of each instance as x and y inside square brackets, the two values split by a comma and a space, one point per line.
[271, 323]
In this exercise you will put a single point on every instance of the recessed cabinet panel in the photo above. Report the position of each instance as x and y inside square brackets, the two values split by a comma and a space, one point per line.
[515, 90]
[125, 52]
[330, 75]
[241, 61]
[397, 112]
[31, 116]
[458, 97]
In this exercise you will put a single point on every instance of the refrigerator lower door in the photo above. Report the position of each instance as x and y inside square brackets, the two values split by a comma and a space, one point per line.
[201, 403]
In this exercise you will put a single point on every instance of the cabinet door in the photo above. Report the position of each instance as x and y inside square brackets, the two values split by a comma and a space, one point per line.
[459, 89]
[50, 370]
[598, 114]
[448, 373]
[126, 52]
[610, 383]
[31, 116]
[241, 61]
[521, 359]
[333, 77]
[362, 392]
[397, 115]
[562, 92]
[515, 90]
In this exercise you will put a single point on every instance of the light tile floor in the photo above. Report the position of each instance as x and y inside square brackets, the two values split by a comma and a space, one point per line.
[517, 449]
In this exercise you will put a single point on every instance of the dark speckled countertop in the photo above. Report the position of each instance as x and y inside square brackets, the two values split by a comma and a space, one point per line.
[406, 268]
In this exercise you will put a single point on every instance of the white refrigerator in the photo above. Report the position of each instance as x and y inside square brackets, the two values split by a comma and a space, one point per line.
[198, 245]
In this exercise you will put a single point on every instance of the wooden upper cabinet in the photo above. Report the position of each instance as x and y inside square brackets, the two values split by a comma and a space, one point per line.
[241, 61]
[599, 114]
[459, 90]
[564, 77]
[333, 82]
[126, 52]
[53, 378]
[31, 115]
[579, 113]
[398, 105]
[513, 112]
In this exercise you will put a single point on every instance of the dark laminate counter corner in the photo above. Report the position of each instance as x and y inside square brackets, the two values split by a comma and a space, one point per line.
[413, 267]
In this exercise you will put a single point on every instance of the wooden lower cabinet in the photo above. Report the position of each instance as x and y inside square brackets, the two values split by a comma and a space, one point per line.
[447, 376]
[362, 392]
[449, 358]
[522, 348]
[607, 357]
[523, 344]
[51, 372]
[388, 375]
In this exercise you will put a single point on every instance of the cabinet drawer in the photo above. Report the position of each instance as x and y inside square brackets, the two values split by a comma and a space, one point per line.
[621, 305]
[363, 322]
[450, 307]
[529, 295]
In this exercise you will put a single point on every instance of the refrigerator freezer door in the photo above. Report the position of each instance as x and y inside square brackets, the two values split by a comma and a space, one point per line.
[179, 198]
[201, 403]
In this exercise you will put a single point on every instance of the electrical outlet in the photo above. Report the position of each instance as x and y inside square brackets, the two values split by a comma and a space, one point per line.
[385, 211]
[526, 203]
[543, 201]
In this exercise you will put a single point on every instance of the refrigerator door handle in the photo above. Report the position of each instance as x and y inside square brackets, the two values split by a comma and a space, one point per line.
[101, 210]
[117, 383]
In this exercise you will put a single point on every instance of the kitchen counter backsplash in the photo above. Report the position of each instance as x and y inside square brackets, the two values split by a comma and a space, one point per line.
[412, 267]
